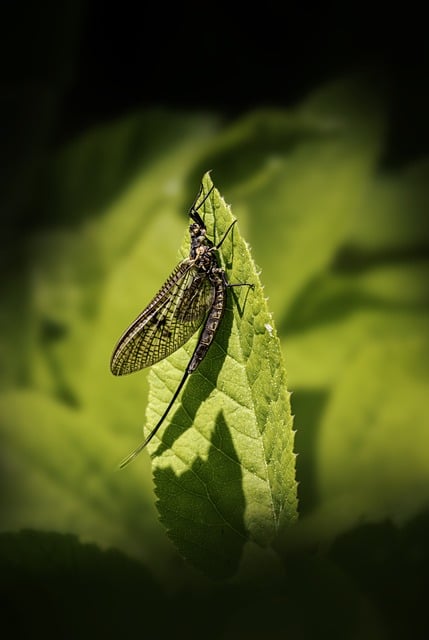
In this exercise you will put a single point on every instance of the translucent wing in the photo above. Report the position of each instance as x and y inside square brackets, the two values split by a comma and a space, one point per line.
[172, 317]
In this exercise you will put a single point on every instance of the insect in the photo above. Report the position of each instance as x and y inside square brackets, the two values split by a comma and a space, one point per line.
[194, 292]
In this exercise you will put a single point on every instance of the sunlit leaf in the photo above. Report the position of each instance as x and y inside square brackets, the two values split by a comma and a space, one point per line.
[224, 464]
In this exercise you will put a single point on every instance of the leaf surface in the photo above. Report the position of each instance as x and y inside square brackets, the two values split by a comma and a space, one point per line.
[224, 463]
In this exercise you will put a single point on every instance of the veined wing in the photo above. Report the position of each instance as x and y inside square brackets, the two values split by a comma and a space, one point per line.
[172, 317]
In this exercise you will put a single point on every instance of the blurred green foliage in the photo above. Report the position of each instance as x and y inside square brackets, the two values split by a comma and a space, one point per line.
[342, 246]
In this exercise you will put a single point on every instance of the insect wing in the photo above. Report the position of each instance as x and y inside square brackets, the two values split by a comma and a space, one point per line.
[172, 317]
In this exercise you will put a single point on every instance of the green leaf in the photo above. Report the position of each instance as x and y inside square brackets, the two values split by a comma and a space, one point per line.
[339, 313]
[374, 444]
[224, 465]
[48, 451]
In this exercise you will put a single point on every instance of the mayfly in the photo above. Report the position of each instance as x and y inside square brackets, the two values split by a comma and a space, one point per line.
[194, 292]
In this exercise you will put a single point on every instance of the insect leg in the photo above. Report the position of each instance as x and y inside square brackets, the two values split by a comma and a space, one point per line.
[234, 284]
[193, 211]
[219, 244]
[240, 284]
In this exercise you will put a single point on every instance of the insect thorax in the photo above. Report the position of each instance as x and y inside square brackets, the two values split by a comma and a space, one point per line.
[199, 239]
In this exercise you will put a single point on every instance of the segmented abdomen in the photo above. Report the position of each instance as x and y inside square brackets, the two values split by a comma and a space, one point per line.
[212, 321]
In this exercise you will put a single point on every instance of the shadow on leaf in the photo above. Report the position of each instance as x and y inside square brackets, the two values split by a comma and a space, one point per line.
[203, 508]
[198, 387]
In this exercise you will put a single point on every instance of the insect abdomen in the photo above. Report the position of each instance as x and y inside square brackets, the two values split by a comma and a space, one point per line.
[211, 324]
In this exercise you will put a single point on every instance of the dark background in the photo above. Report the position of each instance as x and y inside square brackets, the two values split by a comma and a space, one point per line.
[233, 60]
[72, 64]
